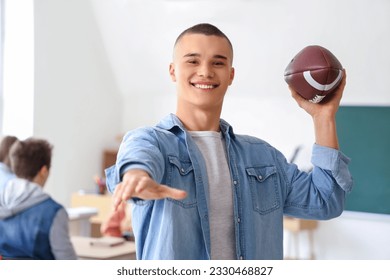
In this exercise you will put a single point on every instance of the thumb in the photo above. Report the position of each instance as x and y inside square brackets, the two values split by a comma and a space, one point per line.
[168, 192]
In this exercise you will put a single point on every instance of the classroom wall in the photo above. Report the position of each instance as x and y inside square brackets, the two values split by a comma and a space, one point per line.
[139, 37]
[77, 106]
[115, 55]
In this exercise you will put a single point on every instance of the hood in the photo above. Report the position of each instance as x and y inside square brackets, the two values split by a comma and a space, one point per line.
[18, 195]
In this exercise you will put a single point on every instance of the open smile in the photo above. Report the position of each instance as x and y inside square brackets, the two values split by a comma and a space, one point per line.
[204, 86]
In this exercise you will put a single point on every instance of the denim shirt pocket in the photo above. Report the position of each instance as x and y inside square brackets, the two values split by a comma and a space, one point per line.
[264, 188]
[181, 176]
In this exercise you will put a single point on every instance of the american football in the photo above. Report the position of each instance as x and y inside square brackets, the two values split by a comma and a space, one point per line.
[314, 73]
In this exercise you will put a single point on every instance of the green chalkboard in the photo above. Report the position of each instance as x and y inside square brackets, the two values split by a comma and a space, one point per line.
[364, 136]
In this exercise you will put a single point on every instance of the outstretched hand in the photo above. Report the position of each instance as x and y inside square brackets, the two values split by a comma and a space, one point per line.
[137, 183]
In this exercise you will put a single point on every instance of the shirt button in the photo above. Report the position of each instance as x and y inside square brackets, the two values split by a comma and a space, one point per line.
[241, 257]
[182, 170]
[260, 177]
[238, 220]
[235, 182]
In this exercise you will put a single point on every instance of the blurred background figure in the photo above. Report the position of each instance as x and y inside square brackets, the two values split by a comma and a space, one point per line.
[32, 224]
[5, 165]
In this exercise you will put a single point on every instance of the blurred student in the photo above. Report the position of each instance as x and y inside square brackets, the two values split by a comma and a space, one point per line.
[5, 166]
[32, 224]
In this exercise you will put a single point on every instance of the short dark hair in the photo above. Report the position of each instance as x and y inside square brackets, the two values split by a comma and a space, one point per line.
[204, 29]
[5, 147]
[29, 156]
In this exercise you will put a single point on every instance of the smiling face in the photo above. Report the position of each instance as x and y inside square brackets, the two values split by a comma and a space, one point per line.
[202, 69]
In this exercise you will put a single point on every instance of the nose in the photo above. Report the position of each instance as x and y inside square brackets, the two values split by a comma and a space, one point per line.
[205, 71]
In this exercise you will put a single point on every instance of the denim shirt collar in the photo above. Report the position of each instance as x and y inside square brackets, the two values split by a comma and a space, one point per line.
[173, 124]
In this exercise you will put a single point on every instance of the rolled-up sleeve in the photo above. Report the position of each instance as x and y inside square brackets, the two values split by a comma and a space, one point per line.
[138, 150]
[334, 161]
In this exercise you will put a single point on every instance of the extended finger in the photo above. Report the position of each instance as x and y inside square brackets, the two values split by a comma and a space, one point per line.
[168, 192]
[117, 196]
[157, 191]
[128, 190]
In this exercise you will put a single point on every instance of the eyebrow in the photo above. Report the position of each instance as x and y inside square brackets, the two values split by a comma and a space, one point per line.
[198, 55]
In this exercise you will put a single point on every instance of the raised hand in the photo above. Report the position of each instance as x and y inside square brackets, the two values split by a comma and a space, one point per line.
[324, 115]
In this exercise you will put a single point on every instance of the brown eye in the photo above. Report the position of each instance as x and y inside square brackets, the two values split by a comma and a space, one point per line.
[192, 62]
[219, 63]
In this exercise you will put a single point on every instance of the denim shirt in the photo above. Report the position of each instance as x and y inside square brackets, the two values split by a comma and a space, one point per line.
[265, 187]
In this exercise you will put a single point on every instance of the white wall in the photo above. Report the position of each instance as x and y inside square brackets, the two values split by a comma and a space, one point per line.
[77, 103]
[352, 236]
[78, 73]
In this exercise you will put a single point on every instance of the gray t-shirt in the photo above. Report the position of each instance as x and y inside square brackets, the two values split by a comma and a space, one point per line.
[221, 217]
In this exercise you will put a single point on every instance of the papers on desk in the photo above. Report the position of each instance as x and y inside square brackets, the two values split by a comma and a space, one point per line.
[106, 241]
[79, 217]
[86, 251]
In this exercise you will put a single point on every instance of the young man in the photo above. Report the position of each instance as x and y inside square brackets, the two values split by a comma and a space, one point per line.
[199, 190]
[32, 225]
[5, 166]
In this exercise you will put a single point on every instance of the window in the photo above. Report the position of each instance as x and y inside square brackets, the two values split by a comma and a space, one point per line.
[17, 102]
[1, 62]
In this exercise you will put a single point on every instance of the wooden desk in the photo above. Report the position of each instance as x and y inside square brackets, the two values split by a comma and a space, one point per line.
[295, 226]
[103, 203]
[86, 251]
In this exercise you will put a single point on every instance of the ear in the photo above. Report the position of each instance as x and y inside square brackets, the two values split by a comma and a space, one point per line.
[44, 174]
[44, 171]
[172, 72]
[231, 76]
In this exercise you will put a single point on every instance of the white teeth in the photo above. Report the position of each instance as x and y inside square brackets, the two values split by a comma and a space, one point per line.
[202, 86]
